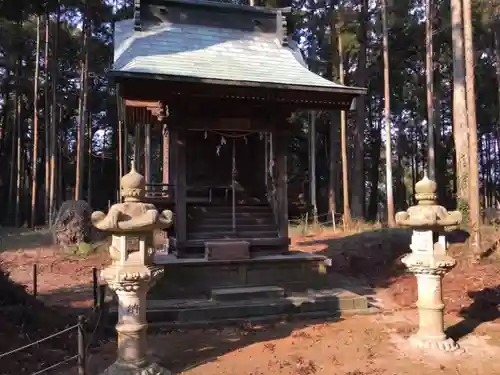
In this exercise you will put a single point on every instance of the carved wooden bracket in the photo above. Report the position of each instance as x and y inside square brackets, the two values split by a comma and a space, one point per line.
[157, 108]
[160, 112]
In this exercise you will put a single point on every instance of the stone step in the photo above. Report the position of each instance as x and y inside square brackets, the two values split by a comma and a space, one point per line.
[209, 227]
[244, 219]
[329, 303]
[229, 208]
[253, 293]
[195, 235]
[229, 215]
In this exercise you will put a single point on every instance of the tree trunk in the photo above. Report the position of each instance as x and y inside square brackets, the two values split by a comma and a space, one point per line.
[497, 125]
[429, 70]
[89, 175]
[332, 167]
[374, 175]
[80, 149]
[459, 105]
[474, 210]
[387, 119]
[53, 125]
[47, 120]
[35, 126]
[19, 151]
[343, 138]
[358, 186]
[12, 179]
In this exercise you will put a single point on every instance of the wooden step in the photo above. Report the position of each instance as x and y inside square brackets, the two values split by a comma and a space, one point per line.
[229, 214]
[230, 209]
[247, 293]
[276, 241]
[239, 217]
[208, 227]
[231, 235]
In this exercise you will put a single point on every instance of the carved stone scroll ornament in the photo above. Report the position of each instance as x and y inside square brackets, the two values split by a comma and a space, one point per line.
[429, 261]
[427, 213]
[132, 272]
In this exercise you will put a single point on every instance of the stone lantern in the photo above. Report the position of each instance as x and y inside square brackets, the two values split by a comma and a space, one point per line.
[132, 272]
[429, 262]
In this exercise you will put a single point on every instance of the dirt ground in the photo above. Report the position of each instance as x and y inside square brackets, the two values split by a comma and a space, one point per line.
[357, 345]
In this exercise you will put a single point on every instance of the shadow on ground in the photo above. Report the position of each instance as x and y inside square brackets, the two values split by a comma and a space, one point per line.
[12, 239]
[371, 256]
[484, 308]
[77, 296]
[457, 236]
[29, 321]
[187, 349]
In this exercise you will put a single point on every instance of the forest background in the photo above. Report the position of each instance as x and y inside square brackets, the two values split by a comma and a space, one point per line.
[431, 67]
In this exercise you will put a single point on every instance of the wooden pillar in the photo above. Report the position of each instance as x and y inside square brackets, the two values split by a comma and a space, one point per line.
[179, 143]
[281, 151]
[172, 157]
[266, 159]
[312, 165]
[121, 124]
[166, 150]
[147, 153]
[137, 147]
[272, 173]
[126, 165]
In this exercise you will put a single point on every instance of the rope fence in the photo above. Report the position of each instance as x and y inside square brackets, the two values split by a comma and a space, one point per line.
[79, 357]
[84, 342]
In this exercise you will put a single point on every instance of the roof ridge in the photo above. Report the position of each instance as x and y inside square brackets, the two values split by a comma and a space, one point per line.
[216, 4]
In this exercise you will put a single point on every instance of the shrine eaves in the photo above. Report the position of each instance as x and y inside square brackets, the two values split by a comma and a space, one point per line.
[213, 42]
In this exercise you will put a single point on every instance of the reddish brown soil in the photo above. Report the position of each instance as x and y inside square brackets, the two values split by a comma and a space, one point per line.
[360, 345]
[355, 346]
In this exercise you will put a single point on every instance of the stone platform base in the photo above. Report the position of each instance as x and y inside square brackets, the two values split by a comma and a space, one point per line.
[446, 345]
[195, 278]
[146, 369]
[322, 304]
[196, 292]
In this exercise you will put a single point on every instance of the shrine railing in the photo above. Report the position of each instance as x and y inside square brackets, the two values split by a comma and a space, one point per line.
[160, 191]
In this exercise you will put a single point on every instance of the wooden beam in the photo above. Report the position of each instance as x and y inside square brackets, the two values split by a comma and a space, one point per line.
[154, 89]
[142, 103]
[228, 124]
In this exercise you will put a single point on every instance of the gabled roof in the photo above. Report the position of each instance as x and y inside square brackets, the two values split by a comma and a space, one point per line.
[203, 41]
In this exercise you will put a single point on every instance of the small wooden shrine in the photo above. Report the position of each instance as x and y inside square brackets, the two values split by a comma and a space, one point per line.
[205, 92]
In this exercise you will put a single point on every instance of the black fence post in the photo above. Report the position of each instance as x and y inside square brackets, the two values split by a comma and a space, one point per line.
[95, 287]
[35, 280]
[102, 296]
[81, 346]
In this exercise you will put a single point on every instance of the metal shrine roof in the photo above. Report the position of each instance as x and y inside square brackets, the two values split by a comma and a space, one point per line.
[180, 43]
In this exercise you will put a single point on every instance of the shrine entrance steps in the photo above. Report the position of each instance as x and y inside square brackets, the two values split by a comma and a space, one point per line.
[253, 304]
[195, 292]
[254, 223]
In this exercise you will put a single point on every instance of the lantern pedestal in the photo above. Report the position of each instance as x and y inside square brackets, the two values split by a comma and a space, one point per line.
[132, 272]
[429, 262]
[131, 285]
[431, 335]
